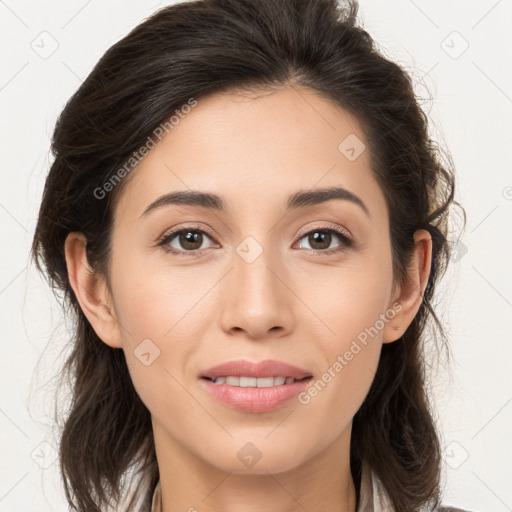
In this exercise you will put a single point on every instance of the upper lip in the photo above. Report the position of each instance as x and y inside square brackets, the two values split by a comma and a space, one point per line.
[267, 368]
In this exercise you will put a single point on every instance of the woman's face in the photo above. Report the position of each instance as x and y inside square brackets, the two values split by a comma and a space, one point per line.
[252, 281]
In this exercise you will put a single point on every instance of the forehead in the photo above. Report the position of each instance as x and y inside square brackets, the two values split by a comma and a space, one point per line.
[256, 150]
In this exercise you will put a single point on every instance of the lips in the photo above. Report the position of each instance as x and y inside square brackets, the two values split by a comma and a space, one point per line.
[267, 368]
[233, 384]
[255, 399]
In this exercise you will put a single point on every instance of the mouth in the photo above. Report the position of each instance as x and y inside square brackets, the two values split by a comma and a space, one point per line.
[248, 394]
[255, 387]
[243, 373]
[256, 382]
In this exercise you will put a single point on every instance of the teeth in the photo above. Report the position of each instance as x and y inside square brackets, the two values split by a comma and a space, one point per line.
[253, 382]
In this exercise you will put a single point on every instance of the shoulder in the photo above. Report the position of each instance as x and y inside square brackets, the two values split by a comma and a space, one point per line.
[374, 497]
[452, 509]
[444, 508]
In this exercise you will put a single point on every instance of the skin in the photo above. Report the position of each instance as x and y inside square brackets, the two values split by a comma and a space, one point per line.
[292, 303]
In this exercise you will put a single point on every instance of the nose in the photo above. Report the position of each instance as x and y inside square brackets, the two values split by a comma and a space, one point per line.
[257, 299]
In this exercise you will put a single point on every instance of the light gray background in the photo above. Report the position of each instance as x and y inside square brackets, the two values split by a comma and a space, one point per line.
[48, 48]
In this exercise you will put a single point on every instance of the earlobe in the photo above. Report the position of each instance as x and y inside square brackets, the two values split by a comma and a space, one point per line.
[409, 296]
[91, 291]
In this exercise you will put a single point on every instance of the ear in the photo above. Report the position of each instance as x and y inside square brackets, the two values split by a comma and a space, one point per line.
[91, 291]
[408, 297]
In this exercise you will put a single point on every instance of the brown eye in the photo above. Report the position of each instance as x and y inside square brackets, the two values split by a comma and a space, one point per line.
[183, 241]
[190, 240]
[320, 240]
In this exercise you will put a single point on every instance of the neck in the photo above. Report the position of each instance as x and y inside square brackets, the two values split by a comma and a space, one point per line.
[321, 483]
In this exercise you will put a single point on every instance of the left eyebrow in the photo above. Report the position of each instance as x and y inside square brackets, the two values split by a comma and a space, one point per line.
[304, 198]
[300, 199]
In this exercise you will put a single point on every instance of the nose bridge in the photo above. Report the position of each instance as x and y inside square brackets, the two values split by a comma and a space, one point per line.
[257, 299]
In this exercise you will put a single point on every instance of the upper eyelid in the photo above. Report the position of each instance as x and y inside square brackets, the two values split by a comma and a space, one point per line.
[327, 226]
[173, 232]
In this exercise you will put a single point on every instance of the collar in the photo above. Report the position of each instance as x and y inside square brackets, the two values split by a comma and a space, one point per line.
[373, 497]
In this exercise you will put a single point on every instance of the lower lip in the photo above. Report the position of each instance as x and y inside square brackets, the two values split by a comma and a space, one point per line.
[255, 399]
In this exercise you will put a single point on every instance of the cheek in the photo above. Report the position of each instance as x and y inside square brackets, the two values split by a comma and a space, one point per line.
[155, 301]
[161, 316]
[350, 362]
[349, 305]
[346, 301]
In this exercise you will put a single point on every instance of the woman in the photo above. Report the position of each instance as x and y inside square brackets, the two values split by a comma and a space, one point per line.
[249, 219]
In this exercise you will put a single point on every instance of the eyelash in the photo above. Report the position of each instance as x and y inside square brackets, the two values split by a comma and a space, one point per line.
[346, 241]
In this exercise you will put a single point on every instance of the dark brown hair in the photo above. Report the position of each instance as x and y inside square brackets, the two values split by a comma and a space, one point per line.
[190, 50]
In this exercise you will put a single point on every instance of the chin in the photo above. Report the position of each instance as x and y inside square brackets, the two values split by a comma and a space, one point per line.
[250, 460]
